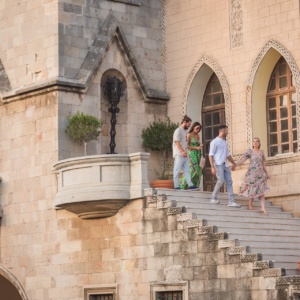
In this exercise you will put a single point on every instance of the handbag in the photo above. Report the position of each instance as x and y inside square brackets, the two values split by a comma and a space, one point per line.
[202, 163]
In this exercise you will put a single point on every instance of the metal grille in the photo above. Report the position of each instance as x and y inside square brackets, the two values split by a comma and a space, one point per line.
[174, 295]
[102, 297]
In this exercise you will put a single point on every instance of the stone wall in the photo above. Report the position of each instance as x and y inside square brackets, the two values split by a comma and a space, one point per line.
[29, 41]
[80, 22]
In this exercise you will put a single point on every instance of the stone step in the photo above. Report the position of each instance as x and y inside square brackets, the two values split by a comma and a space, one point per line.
[276, 236]
[258, 234]
[232, 211]
[204, 202]
[248, 236]
[236, 219]
[288, 225]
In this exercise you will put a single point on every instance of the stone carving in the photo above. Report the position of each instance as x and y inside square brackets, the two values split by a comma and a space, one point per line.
[206, 229]
[238, 250]
[175, 210]
[296, 76]
[166, 204]
[261, 265]
[227, 243]
[195, 223]
[251, 257]
[273, 272]
[186, 216]
[225, 87]
[236, 23]
[150, 192]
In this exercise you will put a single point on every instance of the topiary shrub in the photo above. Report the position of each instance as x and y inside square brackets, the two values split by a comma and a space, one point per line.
[83, 128]
[158, 136]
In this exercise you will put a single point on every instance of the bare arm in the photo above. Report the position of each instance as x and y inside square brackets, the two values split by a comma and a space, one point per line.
[241, 161]
[211, 161]
[232, 161]
[189, 138]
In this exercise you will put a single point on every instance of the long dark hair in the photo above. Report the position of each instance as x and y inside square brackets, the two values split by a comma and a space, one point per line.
[194, 125]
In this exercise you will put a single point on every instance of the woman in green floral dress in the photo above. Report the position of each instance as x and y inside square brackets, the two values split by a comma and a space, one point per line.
[255, 181]
[194, 154]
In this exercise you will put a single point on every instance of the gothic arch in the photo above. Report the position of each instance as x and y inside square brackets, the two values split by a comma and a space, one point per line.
[283, 51]
[12, 279]
[206, 60]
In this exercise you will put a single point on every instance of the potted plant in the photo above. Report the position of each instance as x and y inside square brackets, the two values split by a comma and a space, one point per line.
[158, 136]
[83, 128]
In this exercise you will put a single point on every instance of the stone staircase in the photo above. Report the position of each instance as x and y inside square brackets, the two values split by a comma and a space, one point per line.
[276, 236]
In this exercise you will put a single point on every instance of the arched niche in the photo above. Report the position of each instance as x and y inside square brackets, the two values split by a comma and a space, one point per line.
[257, 89]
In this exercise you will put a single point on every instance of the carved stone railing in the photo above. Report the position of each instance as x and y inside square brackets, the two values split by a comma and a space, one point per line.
[98, 186]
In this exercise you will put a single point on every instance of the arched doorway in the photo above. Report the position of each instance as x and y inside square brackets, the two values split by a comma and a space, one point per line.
[213, 115]
[10, 287]
[208, 80]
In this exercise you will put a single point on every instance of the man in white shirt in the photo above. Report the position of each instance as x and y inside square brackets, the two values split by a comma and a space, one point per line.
[181, 160]
[218, 156]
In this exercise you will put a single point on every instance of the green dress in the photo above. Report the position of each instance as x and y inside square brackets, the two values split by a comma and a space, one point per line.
[194, 161]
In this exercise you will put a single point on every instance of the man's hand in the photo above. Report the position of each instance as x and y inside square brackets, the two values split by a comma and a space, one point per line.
[233, 167]
[213, 171]
[184, 154]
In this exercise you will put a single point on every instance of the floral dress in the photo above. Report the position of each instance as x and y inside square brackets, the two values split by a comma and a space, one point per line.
[255, 180]
[194, 163]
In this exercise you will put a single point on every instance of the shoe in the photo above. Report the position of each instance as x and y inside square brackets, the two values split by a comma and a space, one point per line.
[214, 201]
[193, 188]
[177, 188]
[234, 204]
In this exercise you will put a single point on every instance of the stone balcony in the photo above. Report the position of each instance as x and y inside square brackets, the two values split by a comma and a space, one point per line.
[98, 186]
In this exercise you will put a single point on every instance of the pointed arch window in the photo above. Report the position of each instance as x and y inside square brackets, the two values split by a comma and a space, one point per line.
[281, 111]
[213, 111]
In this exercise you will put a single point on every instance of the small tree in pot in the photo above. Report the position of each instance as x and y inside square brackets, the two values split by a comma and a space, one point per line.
[83, 128]
[158, 136]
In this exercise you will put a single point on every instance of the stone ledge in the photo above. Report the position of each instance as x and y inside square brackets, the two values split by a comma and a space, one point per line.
[98, 186]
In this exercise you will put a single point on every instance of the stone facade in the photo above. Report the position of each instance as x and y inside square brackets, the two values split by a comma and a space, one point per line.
[55, 56]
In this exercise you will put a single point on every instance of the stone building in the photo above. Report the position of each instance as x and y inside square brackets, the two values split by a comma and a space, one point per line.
[76, 227]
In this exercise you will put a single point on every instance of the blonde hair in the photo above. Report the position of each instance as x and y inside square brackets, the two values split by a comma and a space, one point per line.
[256, 138]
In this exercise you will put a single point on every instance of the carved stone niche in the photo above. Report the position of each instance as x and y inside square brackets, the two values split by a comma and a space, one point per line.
[98, 186]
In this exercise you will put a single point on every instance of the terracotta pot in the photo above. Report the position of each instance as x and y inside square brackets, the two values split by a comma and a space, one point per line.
[299, 264]
[162, 184]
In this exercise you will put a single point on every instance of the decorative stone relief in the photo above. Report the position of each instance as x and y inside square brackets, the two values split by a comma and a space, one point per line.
[236, 23]
[225, 87]
[296, 76]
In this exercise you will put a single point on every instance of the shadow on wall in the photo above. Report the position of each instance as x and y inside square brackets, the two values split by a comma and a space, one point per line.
[8, 289]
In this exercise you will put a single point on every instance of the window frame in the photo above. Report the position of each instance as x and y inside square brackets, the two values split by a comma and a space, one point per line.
[169, 287]
[99, 291]
[276, 93]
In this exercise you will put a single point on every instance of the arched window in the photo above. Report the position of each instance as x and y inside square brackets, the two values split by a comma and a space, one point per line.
[281, 111]
[213, 111]
[213, 115]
